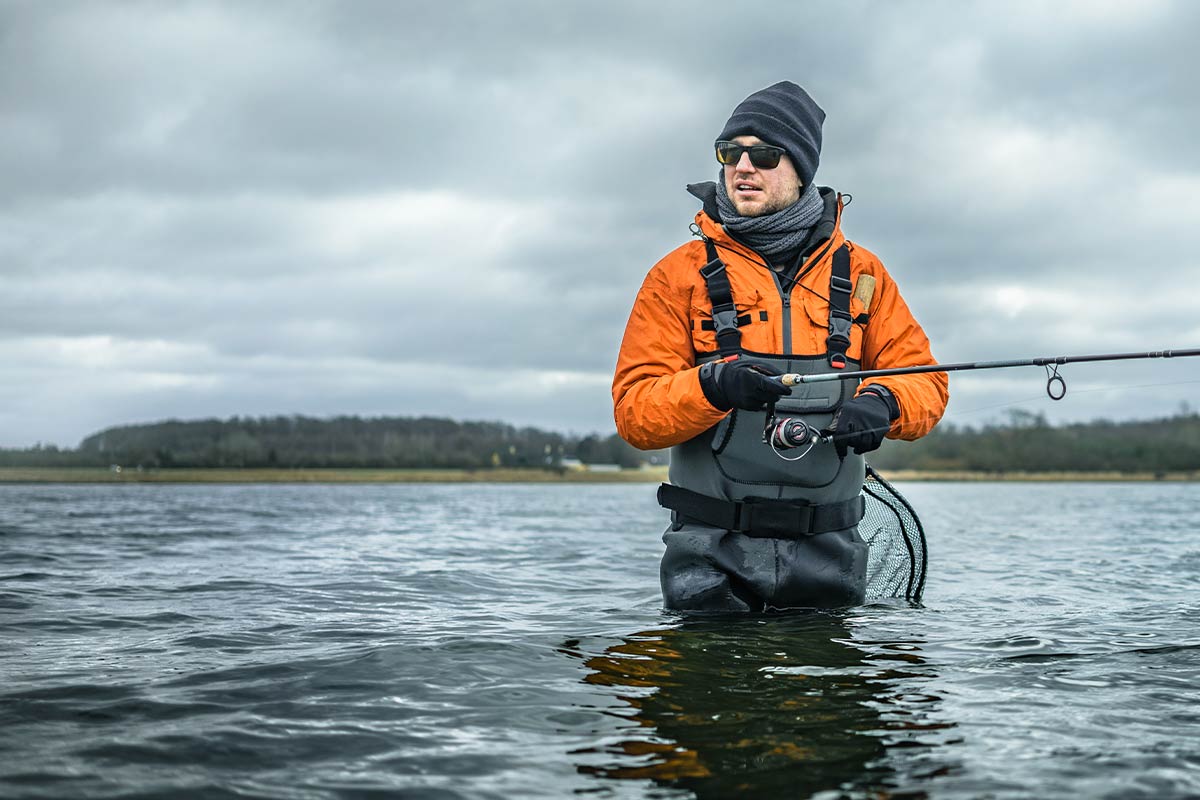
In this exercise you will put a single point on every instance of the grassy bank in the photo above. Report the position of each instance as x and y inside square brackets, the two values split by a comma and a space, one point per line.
[103, 475]
[653, 475]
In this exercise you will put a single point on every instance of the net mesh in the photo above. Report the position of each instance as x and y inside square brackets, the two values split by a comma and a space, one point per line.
[896, 540]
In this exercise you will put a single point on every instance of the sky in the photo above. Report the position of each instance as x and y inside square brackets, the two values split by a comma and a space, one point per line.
[211, 209]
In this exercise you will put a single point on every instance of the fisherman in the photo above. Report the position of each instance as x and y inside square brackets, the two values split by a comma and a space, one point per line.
[770, 286]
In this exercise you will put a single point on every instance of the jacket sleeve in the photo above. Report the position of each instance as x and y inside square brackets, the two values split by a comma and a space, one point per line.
[657, 400]
[894, 338]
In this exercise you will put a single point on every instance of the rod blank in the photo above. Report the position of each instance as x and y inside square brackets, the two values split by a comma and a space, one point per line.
[794, 379]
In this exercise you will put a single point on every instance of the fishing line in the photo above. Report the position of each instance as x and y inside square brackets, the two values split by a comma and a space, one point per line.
[1052, 373]
[1043, 398]
[1115, 387]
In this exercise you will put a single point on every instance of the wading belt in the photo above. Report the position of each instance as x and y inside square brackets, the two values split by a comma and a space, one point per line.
[760, 516]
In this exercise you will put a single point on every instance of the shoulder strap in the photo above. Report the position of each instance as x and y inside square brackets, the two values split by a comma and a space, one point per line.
[840, 288]
[724, 312]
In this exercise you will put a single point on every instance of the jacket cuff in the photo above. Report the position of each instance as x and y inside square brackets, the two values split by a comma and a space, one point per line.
[886, 395]
[710, 374]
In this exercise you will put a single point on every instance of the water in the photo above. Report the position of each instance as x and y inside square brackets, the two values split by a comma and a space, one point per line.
[507, 641]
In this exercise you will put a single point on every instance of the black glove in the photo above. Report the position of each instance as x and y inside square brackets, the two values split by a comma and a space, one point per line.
[740, 383]
[863, 421]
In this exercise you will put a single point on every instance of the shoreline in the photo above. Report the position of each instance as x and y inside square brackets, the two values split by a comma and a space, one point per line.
[12, 475]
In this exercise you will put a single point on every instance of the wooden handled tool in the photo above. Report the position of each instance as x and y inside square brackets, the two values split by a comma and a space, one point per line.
[864, 290]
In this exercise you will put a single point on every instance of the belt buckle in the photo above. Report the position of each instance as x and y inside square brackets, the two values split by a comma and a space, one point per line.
[761, 516]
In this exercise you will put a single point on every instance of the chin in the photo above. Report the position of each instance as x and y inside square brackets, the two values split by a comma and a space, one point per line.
[751, 209]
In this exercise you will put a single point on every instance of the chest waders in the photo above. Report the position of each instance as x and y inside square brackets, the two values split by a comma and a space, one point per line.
[749, 529]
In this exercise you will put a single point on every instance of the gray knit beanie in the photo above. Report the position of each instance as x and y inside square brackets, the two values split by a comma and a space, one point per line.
[785, 116]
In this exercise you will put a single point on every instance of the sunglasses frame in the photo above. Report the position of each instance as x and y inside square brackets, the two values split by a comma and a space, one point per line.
[762, 156]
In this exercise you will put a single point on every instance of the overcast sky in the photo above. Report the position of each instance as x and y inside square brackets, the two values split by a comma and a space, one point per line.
[392, 208]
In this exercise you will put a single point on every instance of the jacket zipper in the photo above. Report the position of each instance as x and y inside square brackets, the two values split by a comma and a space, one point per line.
[786, 295]
[786, 298]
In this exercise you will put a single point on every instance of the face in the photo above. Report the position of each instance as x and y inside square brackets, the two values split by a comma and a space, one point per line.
[755, 191]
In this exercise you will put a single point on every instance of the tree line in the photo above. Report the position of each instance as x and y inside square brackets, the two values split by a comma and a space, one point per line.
[342, 442]
[1022, 442]
[1027, 442]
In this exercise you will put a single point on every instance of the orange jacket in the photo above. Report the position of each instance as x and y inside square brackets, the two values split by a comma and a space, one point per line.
[657, 399]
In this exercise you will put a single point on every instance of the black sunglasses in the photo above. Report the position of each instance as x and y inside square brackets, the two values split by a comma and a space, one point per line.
[763, 156]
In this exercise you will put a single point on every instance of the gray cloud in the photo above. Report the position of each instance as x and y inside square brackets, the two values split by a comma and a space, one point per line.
[216, 208]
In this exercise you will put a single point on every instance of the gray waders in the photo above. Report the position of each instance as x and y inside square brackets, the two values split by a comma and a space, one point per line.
[750, 530]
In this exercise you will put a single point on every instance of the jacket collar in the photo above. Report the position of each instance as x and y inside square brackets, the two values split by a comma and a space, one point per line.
[708, 219]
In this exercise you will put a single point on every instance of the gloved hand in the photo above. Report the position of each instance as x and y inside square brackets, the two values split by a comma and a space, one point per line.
[741, 384]
[861, 423]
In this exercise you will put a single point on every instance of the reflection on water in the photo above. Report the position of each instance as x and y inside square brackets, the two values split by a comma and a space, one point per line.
[767, 705]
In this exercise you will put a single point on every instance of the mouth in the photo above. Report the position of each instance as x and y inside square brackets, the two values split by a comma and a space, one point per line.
[747, 189]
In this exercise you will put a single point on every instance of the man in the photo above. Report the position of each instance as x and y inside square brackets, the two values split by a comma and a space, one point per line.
[760, 519]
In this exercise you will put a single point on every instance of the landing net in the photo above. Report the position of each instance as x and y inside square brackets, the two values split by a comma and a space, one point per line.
[896, 554]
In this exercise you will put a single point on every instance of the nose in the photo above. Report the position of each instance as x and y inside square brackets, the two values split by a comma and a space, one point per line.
[744, 164]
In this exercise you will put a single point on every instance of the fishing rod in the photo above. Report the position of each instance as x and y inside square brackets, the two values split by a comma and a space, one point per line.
[787, 433]
[1056, 387]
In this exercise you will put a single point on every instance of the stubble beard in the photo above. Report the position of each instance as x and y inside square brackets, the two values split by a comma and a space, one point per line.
[760, 208]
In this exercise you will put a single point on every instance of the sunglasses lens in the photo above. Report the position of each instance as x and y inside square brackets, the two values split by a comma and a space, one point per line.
[728, 152]
[765, 157]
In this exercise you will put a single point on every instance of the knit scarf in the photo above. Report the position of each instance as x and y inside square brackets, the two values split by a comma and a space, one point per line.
[775, 233]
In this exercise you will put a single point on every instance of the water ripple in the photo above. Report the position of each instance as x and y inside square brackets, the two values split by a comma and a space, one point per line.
[507, 641]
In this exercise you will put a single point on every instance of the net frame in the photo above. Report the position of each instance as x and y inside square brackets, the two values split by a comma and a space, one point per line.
[896, 547]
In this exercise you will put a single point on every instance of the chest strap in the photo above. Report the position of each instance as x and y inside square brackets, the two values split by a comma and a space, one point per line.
[724, 312]
[840, 320]
[760, 516]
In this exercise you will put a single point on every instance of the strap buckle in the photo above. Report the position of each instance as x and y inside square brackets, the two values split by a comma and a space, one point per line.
[839, 326]
[724, 320]
[764, 517]
[712, 268]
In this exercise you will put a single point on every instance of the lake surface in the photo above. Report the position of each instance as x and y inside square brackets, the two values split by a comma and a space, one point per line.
[450, 641]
